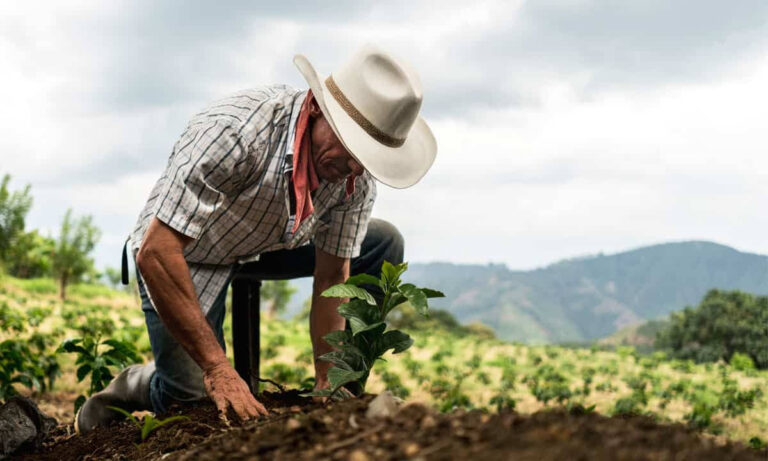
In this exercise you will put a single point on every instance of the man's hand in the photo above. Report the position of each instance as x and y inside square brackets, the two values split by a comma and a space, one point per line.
[225, 387]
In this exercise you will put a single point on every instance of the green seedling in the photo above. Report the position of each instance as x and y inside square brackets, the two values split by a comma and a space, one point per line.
[358, 348]
[96, 363]
[148, 423]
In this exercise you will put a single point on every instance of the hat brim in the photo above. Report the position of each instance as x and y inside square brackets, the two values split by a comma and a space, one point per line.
[397, 167]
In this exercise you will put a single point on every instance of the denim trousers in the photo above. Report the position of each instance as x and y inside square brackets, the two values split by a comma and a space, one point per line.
[177, 376]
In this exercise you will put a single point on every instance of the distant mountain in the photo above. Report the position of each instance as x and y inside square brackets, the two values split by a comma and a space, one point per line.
[586, 298]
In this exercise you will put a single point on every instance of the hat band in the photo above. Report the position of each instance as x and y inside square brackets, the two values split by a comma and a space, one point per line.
[359, 118]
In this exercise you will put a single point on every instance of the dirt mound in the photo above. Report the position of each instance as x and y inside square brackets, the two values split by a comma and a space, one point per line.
[299, 429]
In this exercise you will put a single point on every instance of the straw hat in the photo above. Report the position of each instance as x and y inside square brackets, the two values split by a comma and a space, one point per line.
[372, 104]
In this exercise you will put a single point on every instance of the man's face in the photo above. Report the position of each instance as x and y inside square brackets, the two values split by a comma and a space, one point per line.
[333, 162]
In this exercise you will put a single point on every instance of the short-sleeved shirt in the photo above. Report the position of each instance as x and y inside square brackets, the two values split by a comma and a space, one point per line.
[226, 185]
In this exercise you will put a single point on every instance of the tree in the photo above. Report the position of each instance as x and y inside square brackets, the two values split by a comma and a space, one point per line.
[14, 207]
[723, 324]
[31, 255]
[277, 294]
[71, 259]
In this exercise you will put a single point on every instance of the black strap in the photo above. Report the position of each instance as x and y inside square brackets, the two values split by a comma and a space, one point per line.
[125, 263]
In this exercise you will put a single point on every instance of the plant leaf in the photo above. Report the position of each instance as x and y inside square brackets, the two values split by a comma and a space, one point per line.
[83, 371]
[395, 300]
[338, 377]
[318, 393]
[370, 327]
[360, 279]
[349, 291]
[394, 339]
[430, 293]
[342, 339]
[126, 414]
[337, 338]
[121, 348]
[359, 314]
[79, 401]
[415, 296]
[337, 358]
[391, 273]
[148, 426]
[169, 420]
[73, 345]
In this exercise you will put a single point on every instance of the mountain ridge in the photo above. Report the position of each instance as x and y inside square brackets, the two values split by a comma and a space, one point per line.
[587, 297]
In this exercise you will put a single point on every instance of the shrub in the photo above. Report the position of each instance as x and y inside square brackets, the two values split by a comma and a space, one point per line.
[587, 375]
[735, 401]
[549, 384]
[742, 362]
[502, 401]
[450, 394]
[627, 406]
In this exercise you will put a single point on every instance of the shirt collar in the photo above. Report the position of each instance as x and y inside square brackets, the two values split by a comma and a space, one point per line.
[295, 109]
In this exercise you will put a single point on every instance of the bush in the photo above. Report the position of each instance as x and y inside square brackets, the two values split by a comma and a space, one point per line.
[742, 362]
[627, 406]
[724, 323]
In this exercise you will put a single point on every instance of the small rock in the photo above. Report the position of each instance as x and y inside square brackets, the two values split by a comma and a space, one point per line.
[428, 422]
[292, 424]
[382, 406]
[22, 422]
[358, 455]
[410, 449]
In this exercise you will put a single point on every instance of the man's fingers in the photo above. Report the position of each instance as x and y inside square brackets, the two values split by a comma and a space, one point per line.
[256, 408]
[260, 408]
[241, 411]
[221, 404]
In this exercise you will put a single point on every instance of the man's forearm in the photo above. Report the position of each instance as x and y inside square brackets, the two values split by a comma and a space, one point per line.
[166, 275]
[323, 319]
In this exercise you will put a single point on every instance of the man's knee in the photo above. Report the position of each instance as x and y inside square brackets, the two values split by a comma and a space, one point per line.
[383, 242]
[390, 239]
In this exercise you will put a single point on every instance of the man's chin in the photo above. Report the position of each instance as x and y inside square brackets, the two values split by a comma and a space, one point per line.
[333, 179]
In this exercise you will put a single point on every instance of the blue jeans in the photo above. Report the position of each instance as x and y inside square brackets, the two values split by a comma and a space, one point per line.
[177, 376]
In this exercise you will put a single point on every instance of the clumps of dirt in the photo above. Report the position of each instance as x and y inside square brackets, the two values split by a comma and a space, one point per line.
[299, 429]
[122, 440]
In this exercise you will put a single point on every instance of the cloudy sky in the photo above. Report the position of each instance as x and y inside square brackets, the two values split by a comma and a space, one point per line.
[564, 127]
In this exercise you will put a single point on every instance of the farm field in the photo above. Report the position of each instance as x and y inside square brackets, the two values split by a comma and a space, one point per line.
[443, 370]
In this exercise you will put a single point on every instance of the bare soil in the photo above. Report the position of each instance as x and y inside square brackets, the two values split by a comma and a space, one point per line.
[300, 429]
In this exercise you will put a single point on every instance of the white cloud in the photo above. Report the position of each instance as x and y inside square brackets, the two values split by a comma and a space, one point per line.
[555, 137]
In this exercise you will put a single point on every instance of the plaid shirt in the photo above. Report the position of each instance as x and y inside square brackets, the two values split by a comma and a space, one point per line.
[226, 186]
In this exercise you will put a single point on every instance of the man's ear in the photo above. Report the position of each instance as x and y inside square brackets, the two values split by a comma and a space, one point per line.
[314, 109]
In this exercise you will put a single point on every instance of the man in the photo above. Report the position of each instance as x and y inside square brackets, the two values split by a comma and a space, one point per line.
[263, 173]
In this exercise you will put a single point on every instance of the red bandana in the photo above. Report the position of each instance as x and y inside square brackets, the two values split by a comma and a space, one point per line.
[305, 179]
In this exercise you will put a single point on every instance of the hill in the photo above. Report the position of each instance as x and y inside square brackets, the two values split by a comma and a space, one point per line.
[586, 298]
